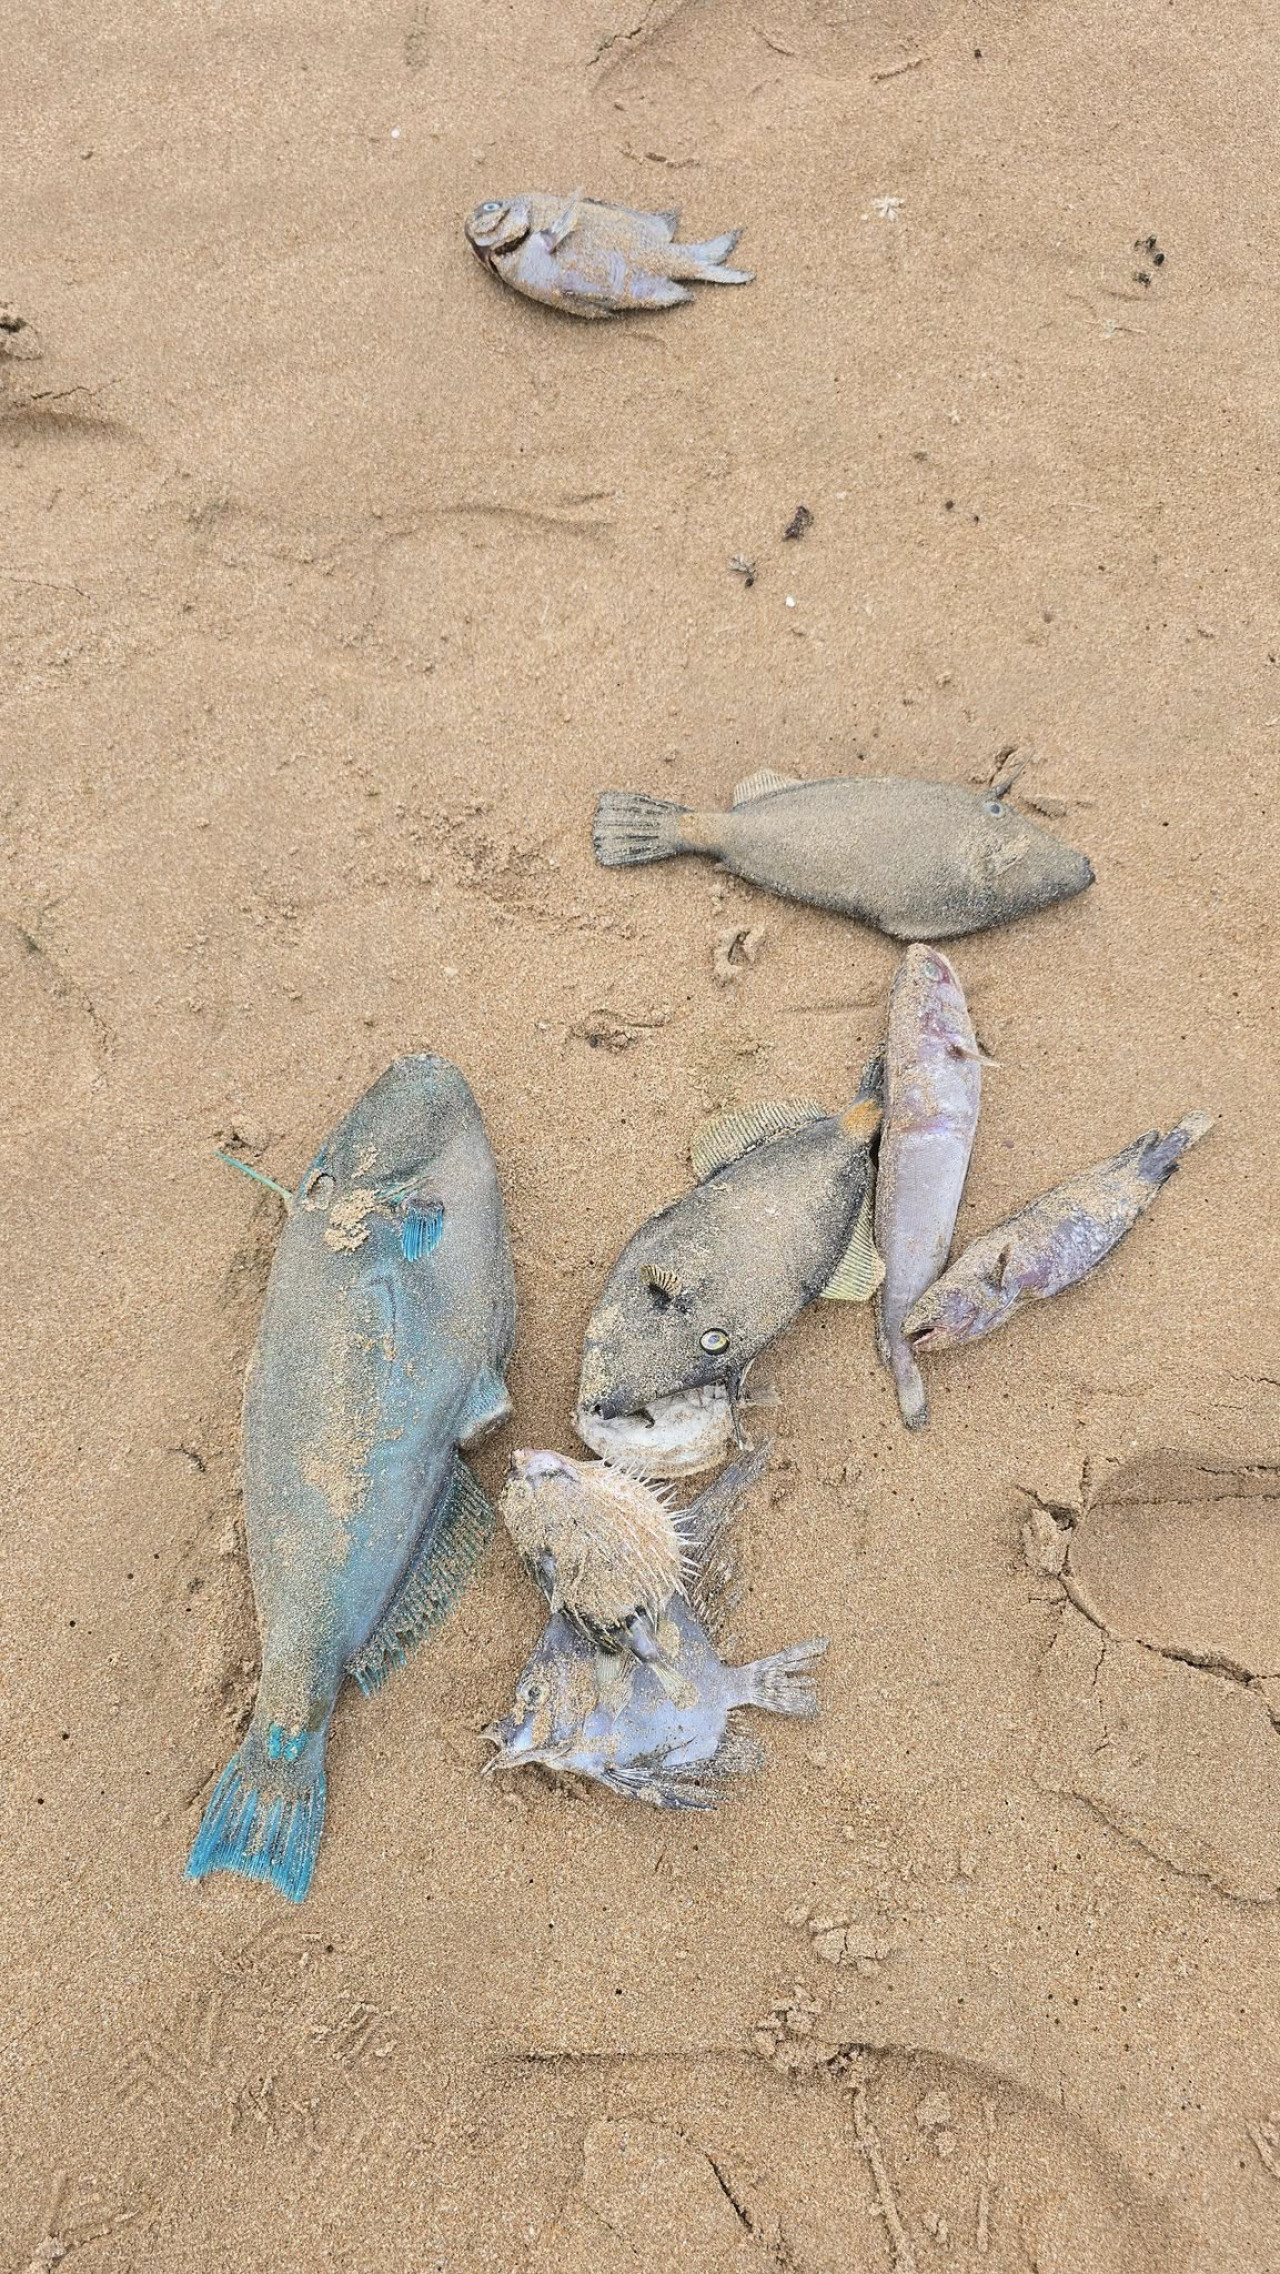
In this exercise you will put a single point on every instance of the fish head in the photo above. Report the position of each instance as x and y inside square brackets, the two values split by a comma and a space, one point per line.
[951, 1312]
[398, 1129]
[1017, 865]
[670, 1437]
[556, 1695]
[659, 1330]
[497, 226]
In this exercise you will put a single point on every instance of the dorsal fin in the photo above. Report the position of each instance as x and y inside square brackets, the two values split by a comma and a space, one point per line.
[762, 785]
[860, 1269]
[712, 1584]
[727, 1136]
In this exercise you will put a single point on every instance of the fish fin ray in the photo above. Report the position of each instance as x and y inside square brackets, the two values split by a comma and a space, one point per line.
[565, 223]
[441, 1569]
[728, 1136]
[762, 784]
[258, 1828]
[861, 1267]
[488, 1404]
[712, 1584]
[783, 1683]
[421, 1230]
[630, 828]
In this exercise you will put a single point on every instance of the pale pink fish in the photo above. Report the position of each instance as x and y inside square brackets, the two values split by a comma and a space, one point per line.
[933, 1087]
[592, 259]
[1050, 1244]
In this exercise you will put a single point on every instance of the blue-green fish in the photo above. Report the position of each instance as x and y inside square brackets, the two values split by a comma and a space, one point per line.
[387, 1330]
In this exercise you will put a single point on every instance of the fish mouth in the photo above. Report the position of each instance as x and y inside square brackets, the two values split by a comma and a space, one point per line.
[673, 1435]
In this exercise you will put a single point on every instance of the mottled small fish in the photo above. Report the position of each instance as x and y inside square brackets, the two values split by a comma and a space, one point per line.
[932, 1090]
[591, 259]
[670, 1742]
[1050, 1244]
[602, 1544]
[921, 860]
[780, 1215]
[387, 1328]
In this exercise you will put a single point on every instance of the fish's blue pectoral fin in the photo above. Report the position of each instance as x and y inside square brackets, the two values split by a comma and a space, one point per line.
[421, 1230]
[266, 1813]
[451, 1547]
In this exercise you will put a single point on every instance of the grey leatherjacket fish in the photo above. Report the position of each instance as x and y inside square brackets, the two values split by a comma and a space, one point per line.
[666, 1735]
[385, 1337]
[920, 860]
[592, 259]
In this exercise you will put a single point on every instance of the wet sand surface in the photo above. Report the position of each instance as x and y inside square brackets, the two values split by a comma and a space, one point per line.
[336, 582]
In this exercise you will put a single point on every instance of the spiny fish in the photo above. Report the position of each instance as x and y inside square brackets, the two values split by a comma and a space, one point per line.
[1050, 1244]
[672, 1743]
[388, 1325]
[932, 1090]
[780, 1215]
[602, 1544]
[921, 860]
[592, 259]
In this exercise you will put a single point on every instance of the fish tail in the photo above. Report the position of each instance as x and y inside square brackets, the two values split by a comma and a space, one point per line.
[1162, 1158]
[631, 827]
[783, 1684]
[707, 260]
[913, 1404]
[265, 1816]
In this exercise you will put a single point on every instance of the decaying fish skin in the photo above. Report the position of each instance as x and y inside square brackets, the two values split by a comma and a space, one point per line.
[920, 860]
[673, 1743]
[603, 1545]
[1050, 1244]
[387, 1328]
[932, 1091]
[781, 1215]
[676, 1436]
[591, 259]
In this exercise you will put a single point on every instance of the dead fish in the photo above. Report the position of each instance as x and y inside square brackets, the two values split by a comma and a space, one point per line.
[921, 860]
[591, 259]
[932, 1090]
[780, 1215]
[602, 1543]
[676, 1436]
[672, 1744]
[1050, 1244]
[385, 1337]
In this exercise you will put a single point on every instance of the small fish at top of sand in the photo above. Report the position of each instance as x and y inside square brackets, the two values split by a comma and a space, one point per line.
[385, 1336]
[780, 1216]
[1050, 1244]
[932, 1090]
[920, 860]
[672, 1742]
[592, 259]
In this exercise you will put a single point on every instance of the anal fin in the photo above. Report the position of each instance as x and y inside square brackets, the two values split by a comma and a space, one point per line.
[763, 784]
[727, 1136]
[861, 1267]
[444, 1563]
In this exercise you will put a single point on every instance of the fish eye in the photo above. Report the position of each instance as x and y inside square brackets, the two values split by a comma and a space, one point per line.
[713, 1341]
[994, 807]
[532, 1693]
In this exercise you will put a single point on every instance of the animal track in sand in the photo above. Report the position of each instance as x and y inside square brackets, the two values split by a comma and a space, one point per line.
[678, 80]
[910, 2158]
[1159, 1695]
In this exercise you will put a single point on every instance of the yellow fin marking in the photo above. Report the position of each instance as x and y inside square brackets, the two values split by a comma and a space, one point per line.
[862, 1120]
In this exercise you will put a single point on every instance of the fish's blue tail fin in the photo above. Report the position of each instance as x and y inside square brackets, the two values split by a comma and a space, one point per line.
[266, 1814]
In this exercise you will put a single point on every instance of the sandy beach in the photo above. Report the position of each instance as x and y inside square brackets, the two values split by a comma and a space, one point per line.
[336, 581]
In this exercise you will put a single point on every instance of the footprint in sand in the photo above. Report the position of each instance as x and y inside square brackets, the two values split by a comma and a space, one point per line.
[1159, 1697]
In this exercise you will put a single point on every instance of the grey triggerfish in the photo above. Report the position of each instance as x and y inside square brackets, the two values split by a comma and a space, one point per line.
[1050, 1244]
[932, 1090]
[921, 860]
[780, 1216]
[664, 1734]
[385, 1337]
[591, 259]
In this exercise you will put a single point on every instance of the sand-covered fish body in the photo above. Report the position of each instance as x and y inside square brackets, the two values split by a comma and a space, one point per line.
[1049, 1245]
[932, 1092]
[780, 1216]
[604, 1546]
[593, 259]
[672, 1743]
[386, 1331]
[920, 860]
